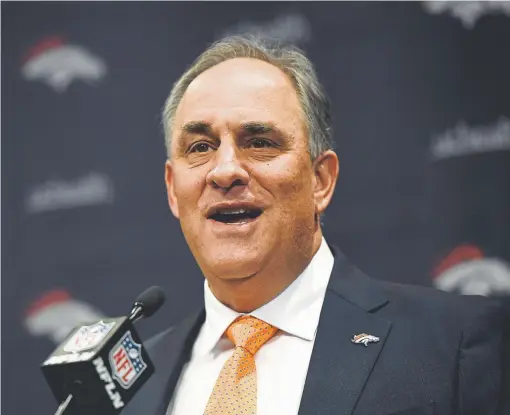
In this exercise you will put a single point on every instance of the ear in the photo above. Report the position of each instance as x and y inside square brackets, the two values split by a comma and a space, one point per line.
[326, 168]
[170, 191]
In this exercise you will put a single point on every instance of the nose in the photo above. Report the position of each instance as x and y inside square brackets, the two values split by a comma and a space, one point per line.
[227, 171]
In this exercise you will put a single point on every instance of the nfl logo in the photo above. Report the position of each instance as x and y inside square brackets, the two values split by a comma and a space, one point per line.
[88, 337]
[126, 361]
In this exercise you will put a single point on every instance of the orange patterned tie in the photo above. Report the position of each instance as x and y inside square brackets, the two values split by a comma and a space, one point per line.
[235, 391]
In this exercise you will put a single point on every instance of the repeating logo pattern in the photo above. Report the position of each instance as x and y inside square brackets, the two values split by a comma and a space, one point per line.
[467, 271]
[58, 64]
[468, 12]
[463, 140]
[55, 314]
[92, 189]
[289, 27]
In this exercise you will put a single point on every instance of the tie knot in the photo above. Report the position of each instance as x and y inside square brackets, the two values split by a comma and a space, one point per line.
[250, 333]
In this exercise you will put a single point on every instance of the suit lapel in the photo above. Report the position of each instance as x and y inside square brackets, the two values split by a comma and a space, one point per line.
[339, 369]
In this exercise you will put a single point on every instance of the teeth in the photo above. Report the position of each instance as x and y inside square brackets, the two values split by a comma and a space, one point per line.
[233, 211]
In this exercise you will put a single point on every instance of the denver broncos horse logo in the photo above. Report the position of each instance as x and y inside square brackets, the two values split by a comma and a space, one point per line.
[364, 339]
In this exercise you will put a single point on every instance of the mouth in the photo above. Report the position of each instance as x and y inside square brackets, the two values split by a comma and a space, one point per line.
[234, 215]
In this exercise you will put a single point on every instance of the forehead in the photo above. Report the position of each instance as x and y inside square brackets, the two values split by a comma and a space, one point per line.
[238, 91]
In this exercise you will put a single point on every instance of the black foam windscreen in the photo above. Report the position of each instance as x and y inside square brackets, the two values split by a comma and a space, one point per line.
[151, 300]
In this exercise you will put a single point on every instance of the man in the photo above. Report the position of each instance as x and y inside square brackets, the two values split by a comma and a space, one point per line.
[289, 326]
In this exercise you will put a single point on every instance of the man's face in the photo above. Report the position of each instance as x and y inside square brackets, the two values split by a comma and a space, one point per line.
[240, 179]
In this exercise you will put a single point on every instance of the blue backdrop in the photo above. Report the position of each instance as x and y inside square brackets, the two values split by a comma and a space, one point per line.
[421, 106]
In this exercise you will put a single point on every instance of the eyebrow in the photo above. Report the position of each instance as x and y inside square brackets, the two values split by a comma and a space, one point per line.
[254, 128]
[251, 128]
[197, 127]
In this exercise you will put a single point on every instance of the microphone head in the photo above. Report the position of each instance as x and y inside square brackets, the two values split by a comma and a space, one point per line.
[150, 300]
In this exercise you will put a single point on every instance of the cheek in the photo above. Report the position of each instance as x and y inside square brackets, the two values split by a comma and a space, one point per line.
[188, 188]
[291, 185]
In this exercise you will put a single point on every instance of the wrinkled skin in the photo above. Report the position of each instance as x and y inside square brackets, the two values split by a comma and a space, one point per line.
[240, 140]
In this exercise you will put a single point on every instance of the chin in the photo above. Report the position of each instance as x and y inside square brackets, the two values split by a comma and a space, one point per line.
[231, 261]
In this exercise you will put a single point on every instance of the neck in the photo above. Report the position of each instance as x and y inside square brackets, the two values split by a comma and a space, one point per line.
[247, 294]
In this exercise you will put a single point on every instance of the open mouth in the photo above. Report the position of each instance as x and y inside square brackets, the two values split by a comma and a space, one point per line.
[235, 215]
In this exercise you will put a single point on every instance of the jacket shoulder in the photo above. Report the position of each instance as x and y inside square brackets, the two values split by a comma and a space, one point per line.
[459, 311]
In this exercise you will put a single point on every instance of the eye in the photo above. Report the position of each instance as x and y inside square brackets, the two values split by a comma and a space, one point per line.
[260, 143]
[200, 148]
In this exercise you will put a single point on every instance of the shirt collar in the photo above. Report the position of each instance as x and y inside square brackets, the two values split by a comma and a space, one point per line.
[295, 311]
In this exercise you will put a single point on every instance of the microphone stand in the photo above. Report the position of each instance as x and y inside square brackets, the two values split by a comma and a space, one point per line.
[136, 313]
[63, 406]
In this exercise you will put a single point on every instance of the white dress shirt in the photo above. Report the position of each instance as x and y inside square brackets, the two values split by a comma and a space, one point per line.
[282, 363]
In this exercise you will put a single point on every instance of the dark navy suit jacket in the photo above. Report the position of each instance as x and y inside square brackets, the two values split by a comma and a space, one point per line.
[438, 353]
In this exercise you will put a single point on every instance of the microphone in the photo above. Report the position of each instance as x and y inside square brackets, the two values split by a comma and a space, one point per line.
[100, 367]
[147, 303]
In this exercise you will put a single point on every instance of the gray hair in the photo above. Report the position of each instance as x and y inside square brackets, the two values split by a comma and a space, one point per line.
[288, 59]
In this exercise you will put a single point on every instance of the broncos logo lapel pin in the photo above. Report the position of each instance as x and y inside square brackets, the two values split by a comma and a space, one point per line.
[364, 338]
